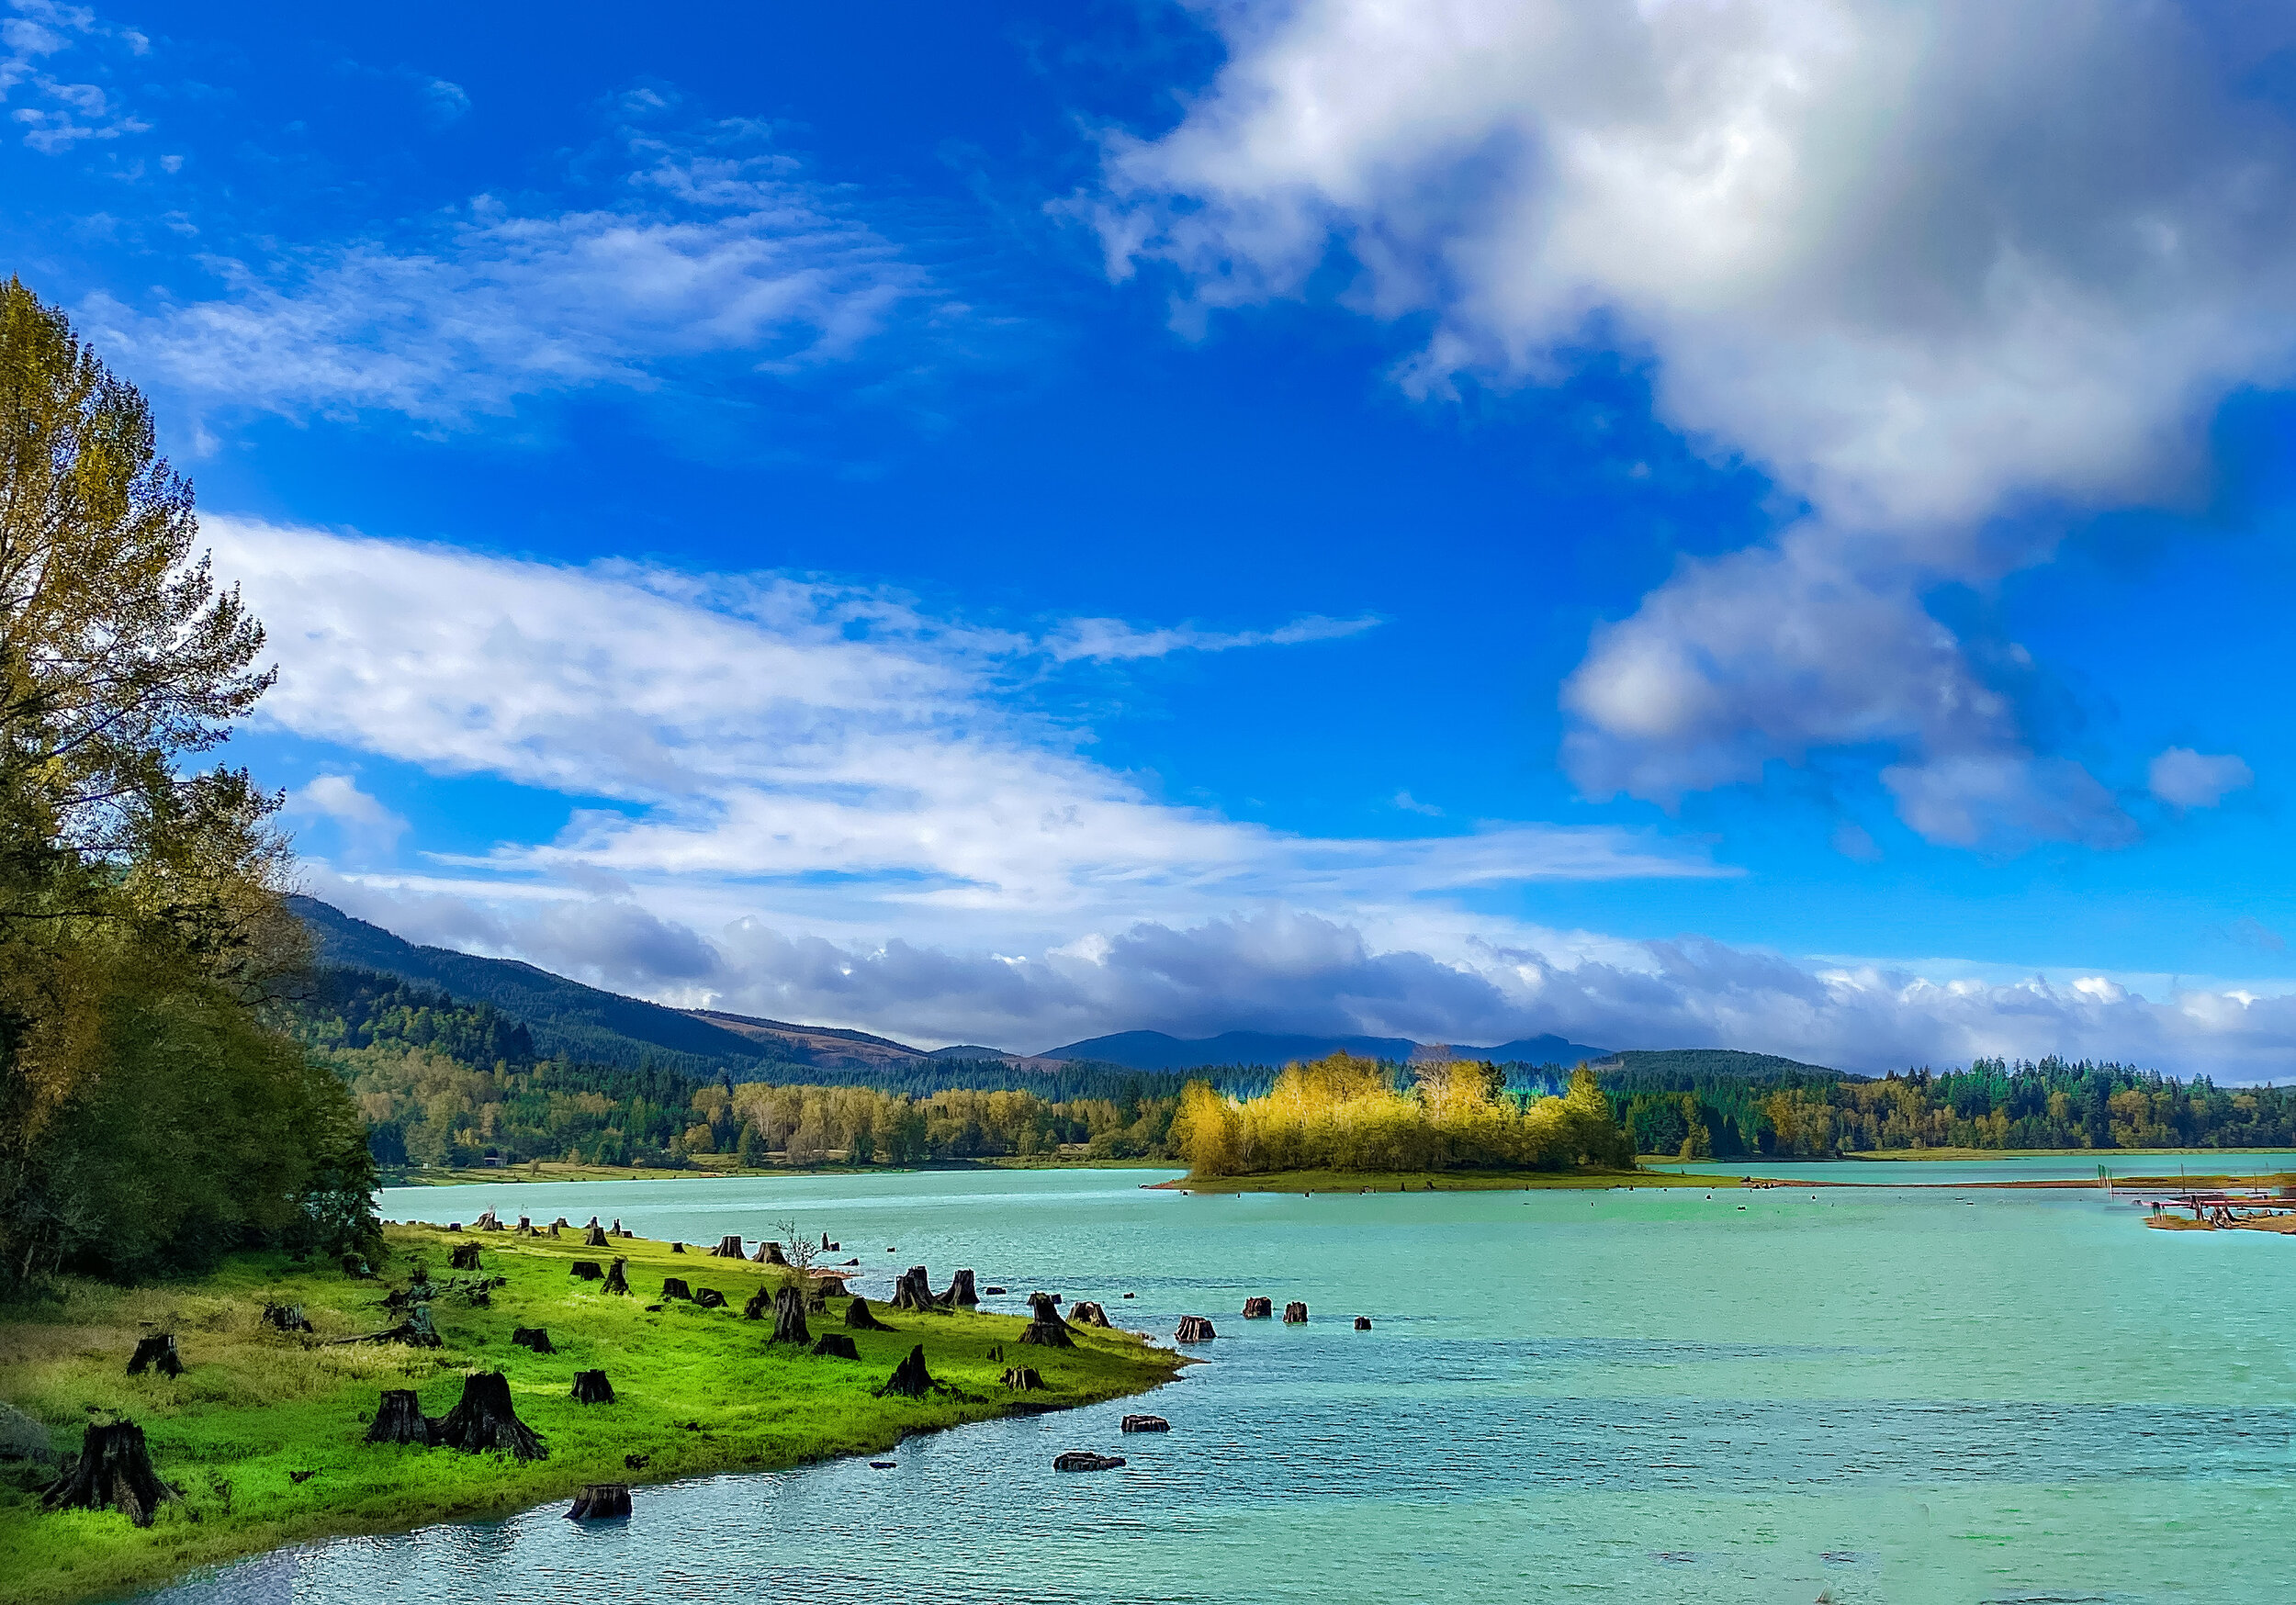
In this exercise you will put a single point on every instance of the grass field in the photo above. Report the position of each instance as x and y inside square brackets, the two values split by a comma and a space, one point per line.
[697, 1391]
[1441, 1181]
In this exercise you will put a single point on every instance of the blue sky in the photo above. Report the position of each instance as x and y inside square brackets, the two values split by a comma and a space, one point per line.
[1744, 524]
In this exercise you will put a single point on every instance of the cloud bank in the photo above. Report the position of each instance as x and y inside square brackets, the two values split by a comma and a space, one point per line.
[1926, 263]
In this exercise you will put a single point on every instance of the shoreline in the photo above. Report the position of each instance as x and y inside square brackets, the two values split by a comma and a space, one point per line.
[542, 1171]
[698, 1392]
[1437, 1181]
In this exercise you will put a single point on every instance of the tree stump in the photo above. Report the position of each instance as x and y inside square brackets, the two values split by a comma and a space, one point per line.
[618, 1231]
[728, 1247]
[156, 1352]
[1259, 1309]
[464, 1258]
[398, 1419]
[595, 1238]
[675, 1288]
[861, 1318]
[588, 1269]
[535, 1338]
[1146, 1424]
[525, 1227]
[484, 1420]
[615, 1281]
[112, 1471]
[961, 1290]
[1363, 1323]
[677, 1248]
[837, 1345]
[285, 1318]
[1295, 1314]
[1085, 1460]
[1086, 1312]
[995, 1292]
[770, 1253]
[601, 1501]
[1045, 1326]
[485, 1222]
[1194, 1329]
[709, 1298]
[592, 1388]
[789, 1318]
[913, 1292]
[909, 1378]
[1023, 1379]
[761, 1300]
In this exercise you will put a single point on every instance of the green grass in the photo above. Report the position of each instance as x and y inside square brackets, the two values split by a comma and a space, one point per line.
[697, 1392]
[1441, 1181]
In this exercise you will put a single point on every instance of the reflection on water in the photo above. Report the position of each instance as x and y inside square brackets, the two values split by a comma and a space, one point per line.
[1889, 1395]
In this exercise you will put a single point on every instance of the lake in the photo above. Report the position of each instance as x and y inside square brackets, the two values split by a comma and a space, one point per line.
[1909, 1394]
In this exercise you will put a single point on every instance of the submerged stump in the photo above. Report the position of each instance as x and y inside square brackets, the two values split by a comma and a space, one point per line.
[400, 1419]
[1085, 1460]
[1086, 1312]
[156, 1352]
[961, 1292]
[836, 1346]
[861, 1318]
[592, 1388]
[1146, 1424]
[1363, 1323]
[1194, 1329]
[1045, 1327]
[601, 1501]
[1295, 1314]
[1259, 1309]
[484, 1420]
[112, 1472]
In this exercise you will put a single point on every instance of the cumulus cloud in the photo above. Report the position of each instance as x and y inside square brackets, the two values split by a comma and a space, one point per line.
[1925, 264]
[2186, 779]
[714, 250]
[369, 826]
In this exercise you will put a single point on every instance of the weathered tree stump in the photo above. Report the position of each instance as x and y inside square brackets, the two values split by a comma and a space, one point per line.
[595, 1238]
[399, 1419]
[909, 1378]
[416, 1332]
[484, 1420]
[588, 1269]
[1086, 1312]
[770, 1253]
[677, 1248]
[1045, 1326]
[112, 1472]
[618, 1231]
[1146, 1424]
[961, 1291]
[709, 1298]
[601, 1501]
[1085, 1460]
[817, 1293]
[995, 1292]
[1194, 1329]
[485, 1222]
[616, 1281]
[592, 1388]
[913, 1292]
[728, 1247]
[535, 1338]
[156, 1352]
[1295, 1314]
[525, 1227]
[861, 1318]
[675, 1288]
[1363, 1323]
[761, 1300]
[285, 1318]
[837, 1345]
[464, 1258]
[789, 1317]
[1259, 1309]
[1022, 1379]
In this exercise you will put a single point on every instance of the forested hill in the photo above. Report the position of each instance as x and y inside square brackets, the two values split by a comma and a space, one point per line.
[566, 1019]
[1681, 1070]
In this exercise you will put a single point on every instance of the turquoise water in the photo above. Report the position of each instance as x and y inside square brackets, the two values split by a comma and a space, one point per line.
[2022, 1167]
[1906, 1396]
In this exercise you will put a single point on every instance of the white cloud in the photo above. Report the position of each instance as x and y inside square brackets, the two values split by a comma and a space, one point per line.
[705, 255]
[1113, 640]
[62, 113]
[366, 823]
[2187, 779]
[1924, 262]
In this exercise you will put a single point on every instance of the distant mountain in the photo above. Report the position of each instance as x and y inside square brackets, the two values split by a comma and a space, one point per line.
[1156, 1051]
[1669, 1065]
[565, 1017]
[825, 1046]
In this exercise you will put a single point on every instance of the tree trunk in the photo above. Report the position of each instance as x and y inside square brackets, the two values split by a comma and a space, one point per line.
[961, 1290]
[112, 1471]
[615, 1281]
[789, 1318]
[464, 1258]
[1146, 1424]
[909, 1378]
[592, 1388]
[861, 1318]
[1194, 1329]
[601, 1501]
[1295, 1314]
[1259, 1309]
[838, 1346]
[728, 1247]
[398, 1419]
[158, 1352]
[1023, 1379]
[675, 1288]
[484, 1420]
[1085, 1312]
[1045, 1326]
[534, 1338]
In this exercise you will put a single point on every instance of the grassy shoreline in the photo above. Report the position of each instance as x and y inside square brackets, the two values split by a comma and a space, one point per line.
[698, 1392]
[711, 1168]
